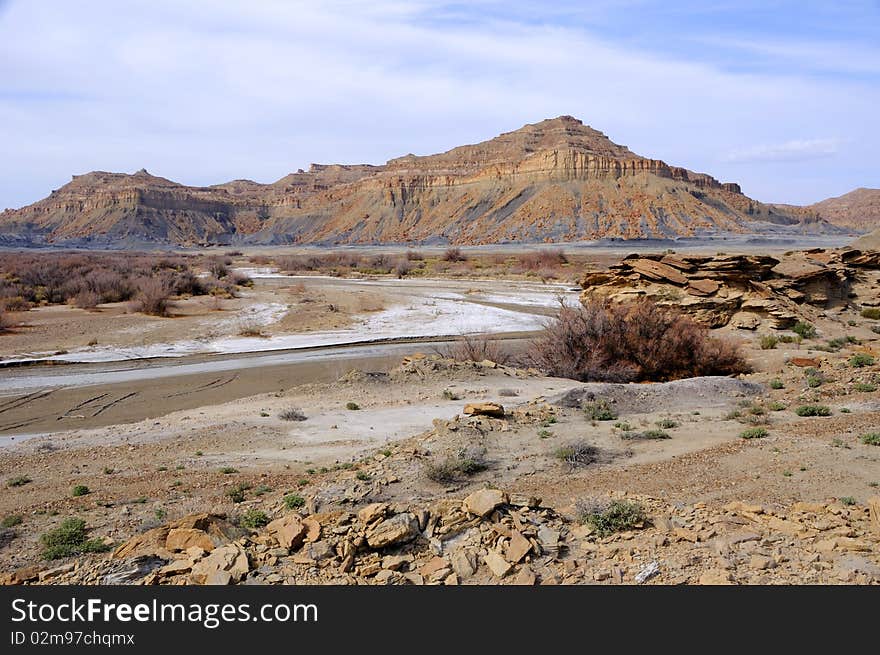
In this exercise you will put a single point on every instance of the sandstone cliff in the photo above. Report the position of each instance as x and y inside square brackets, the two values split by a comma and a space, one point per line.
[557, 180]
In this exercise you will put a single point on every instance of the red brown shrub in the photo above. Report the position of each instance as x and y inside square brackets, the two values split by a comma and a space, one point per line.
[633, 342]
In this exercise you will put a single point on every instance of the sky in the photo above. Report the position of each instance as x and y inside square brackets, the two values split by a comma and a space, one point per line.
[782, 97]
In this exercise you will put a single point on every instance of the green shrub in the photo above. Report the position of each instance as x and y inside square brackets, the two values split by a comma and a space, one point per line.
[81, 490]
[70, 538]
[754, 433]
[363, 476]
[237, 493]
[11, 521]
[871, 312]
[769, 341]
[814, 381]
[813, 410]
[228, 470]
[253, 519]
[776, 383]
[865, 387]
[847, 500]
[292, 414]
[600, 410]
[577, 453]
[352, 406]
[804, 330]
[667, 423]
[18, 481]
[871, 439]
[775, 406]
[646, 435]
[617, 516]
[294, 501]
[860, 360]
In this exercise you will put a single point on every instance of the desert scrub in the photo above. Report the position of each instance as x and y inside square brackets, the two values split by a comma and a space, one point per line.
[872, 313]
[607, 519]
[352, 406]
[237, 493]
[544, 434]
[294, 501]
[228, 470]
[11, 521]
[363, 476]
[623, 425]
[847, 500]
[253, 519]
[292, 414]
[80, 490]
[814, 381]
[871, 439]
[813, 410]
[776, 406]
[600, 410]
[768, 341]
[804, 330]
[578, 453]
[18, 481]
[776, 383]
[754, 433]
[667, 424]
[646, 435]
[865, 387]
[464, 463]
[448, 394]
[70, 538]
[861, 360]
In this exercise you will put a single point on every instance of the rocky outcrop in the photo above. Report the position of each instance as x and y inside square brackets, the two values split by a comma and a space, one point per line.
[556, 180]
[741, 290]
[858, 210]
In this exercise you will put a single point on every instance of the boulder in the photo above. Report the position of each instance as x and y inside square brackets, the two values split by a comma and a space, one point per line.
[231, 559]
[372, 512]
[289, 531]
[398, 529]
[182, 538]
[497, 564]
[483, 502]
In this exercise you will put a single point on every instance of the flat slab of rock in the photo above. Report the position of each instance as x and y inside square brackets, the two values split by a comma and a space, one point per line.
[483, 502]
[484, 409]
[289, 531]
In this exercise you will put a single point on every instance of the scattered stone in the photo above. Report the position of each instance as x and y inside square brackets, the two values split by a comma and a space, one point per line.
[484, 409]
[497, 564]
[399, 529]
[483, 502]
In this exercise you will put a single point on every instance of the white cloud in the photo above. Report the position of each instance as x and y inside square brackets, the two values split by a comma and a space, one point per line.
[794, 150]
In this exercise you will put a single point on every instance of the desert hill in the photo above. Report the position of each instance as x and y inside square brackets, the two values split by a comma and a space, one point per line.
[556, 180]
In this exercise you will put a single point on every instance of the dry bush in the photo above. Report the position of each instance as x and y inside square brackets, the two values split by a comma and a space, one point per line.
[454, 255]
[5, 321]
[260, 260]
[546, 259]
[86, 299]
[469, 348]
[639, 341]
[414, 256]
[403, 268]
[219, 266]
[153, 296]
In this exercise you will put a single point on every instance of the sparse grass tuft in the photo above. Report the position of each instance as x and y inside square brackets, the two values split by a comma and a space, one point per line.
[11, 521]
[847, 500]
[600, 410]
[769, 341]
[18, 481]
[80, 490]
[871, 439]
[872, 313]
[465, 463]
[352, 406]
[754, 433]
[667, 424]
[607, 519]
[646, 435]
[576, 454]
[776, 383]
[865, 387]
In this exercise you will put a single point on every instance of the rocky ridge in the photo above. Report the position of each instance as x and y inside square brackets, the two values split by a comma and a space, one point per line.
[745, 291]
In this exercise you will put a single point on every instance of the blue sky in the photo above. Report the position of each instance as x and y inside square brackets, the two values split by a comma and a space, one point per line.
[782, 97]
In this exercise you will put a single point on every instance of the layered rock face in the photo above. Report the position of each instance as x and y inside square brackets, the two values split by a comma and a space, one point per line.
[557, 180]
[745, 291]
[859, 209]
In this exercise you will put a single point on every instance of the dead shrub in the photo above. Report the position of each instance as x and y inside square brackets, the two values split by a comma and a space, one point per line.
[414, 256]
[153, 297]
[545, 259]
[463, 464]
[403, 268]
[86, 299]
[454, 255]
[633, 342]
[468, 348]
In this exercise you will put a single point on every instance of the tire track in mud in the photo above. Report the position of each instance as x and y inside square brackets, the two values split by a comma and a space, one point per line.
[15, 403]
[213, 384]
[67, 414]
[102, 409]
